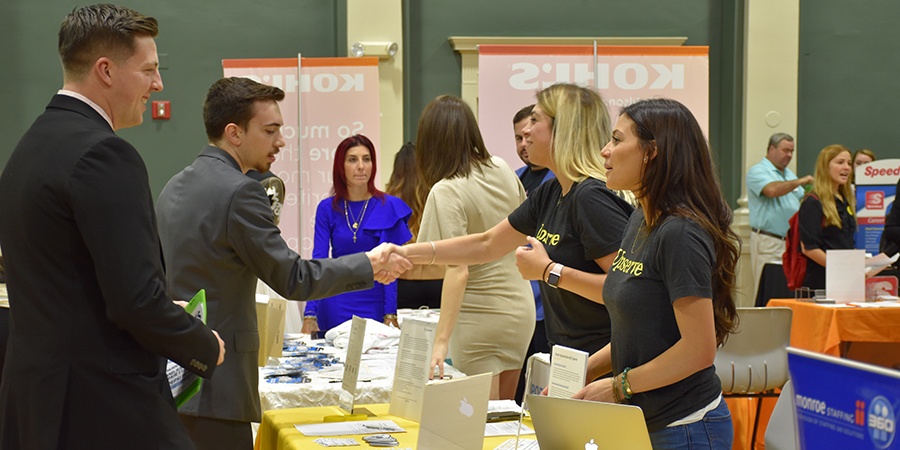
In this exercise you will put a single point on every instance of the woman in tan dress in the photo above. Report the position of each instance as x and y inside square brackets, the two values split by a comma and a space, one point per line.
[487, 310]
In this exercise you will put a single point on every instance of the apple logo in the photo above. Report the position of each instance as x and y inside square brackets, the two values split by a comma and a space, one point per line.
[465, 408]
[590, 445]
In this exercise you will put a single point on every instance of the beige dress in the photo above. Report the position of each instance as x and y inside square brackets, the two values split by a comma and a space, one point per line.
[496, 319]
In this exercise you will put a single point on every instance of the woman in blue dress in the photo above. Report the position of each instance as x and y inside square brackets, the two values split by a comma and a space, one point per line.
[356, 218]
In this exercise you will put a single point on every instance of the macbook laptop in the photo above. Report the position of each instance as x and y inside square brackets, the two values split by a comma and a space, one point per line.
[454, 413]
[840, 403]
[565, 423]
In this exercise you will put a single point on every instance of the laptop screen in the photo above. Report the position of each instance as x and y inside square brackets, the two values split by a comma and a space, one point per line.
[840, 403]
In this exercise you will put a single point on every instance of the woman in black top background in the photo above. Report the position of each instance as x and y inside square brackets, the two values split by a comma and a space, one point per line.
[827, 215]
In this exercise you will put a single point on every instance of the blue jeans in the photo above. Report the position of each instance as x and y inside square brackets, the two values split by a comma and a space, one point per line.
[714, 432]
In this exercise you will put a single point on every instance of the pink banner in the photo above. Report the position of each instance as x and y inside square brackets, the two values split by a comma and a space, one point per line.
[509, 76]
[331, 99]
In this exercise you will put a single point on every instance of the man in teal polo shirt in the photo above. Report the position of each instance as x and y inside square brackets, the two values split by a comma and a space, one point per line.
[774, 194]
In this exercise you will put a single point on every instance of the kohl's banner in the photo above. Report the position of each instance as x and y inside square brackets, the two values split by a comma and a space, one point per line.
[509, 76]
[876, 190]
[327, 100]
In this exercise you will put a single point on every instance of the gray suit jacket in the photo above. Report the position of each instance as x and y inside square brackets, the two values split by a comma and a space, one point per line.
[218, 234]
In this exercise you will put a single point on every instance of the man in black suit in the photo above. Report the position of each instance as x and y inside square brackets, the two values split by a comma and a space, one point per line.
[218, 232]
[90, 318]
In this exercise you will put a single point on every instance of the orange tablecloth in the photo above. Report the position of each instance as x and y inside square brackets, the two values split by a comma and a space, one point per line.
[823, 328]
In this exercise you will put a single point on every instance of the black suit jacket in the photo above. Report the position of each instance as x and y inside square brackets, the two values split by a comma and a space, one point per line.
[90, 316]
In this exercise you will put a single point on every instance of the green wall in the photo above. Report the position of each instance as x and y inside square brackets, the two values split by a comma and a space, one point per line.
[194, 36]
[846, 61]
[848, 78]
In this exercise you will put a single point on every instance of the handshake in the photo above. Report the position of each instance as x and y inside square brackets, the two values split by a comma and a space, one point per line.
[389, 261]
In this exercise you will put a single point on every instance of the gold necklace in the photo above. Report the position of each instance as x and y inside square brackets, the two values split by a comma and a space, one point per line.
[356, 223]
[639, 231]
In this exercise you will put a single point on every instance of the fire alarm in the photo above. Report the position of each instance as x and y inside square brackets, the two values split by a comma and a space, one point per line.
[160, 110]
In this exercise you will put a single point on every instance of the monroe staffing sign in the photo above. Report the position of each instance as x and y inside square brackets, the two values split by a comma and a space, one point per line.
[844, 404]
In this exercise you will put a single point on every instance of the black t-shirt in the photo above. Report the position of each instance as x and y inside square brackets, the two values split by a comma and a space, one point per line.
[648, 275]
[585, 225]
[814, 235]
[531, 179]
[890, 238]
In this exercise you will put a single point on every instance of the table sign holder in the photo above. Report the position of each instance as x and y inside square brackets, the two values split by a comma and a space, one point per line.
[412, 370]
[351, 375]
[845, 275]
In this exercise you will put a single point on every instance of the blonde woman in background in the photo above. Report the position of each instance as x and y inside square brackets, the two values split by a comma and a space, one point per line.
[576, 219]
[827, 214]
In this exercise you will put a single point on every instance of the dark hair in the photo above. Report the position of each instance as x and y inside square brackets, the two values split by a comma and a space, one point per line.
[91, 32]
[448, 145]
[403, 179]
[231, 100]
[523, 114]
[681, 181]
[339, 176]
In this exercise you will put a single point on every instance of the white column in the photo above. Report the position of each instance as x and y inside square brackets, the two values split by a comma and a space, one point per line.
[382, 21]
[771, 58]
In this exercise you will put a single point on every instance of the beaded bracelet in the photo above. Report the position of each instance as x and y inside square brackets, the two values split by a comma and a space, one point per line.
[626, 386]
[615, 390]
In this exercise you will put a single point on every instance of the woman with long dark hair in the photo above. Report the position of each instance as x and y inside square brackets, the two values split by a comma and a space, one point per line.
[356, 218]
[420, 287]
[669, 291]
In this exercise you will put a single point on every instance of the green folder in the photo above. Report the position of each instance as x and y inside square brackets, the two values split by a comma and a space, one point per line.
[185, 384]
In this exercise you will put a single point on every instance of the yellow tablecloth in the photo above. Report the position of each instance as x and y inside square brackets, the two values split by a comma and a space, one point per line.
[277, 432]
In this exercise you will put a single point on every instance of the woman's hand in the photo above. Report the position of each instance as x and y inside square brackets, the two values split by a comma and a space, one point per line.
[532, 261]
[392, 322]
[438, 355]
[598, 391]
[310, 326]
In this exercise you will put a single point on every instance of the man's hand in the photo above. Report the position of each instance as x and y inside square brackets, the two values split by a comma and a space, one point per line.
[221, 348]
[388, 262]
[807, 180]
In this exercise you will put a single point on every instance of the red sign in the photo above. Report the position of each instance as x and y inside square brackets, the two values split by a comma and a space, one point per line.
[875, 200]
[881, 286]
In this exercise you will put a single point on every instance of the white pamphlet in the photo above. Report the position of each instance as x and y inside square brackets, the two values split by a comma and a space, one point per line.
[349, 428]
[845, 275]
[354, 354]
[568, 370]
[412, 369]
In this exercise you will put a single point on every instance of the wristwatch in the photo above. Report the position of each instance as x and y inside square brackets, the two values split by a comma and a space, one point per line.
[553, 278]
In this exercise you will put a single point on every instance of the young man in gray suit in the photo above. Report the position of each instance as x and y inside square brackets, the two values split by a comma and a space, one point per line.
[218, 234]
[89, 314]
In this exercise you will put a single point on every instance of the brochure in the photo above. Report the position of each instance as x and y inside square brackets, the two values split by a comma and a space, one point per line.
[186, 384]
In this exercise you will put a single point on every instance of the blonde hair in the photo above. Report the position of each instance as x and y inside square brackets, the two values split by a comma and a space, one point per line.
[824, 188]
[580, 130]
